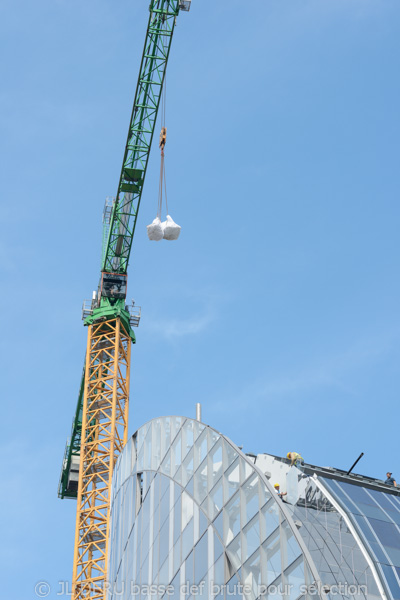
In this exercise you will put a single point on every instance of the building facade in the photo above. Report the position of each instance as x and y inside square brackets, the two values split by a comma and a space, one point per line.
[192, 516]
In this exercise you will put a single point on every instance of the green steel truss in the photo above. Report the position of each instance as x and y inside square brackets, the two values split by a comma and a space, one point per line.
[66, 488]
[157, 46]
[119, 227]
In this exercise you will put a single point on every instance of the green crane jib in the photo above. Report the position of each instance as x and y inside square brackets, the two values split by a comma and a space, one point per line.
[109, 301]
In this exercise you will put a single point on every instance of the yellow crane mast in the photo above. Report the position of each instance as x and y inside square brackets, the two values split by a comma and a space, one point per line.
[100, 425]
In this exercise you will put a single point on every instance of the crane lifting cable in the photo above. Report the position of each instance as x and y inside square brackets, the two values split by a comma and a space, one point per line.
[168, 229]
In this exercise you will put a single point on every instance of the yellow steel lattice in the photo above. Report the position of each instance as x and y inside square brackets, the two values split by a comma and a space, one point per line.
[104, 434]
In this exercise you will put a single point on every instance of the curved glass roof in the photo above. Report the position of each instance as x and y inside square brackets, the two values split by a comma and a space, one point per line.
[377, 517]
[350, 524]
[189, 509]
[337, 554]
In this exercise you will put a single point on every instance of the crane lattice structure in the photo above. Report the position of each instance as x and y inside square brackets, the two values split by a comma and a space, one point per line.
[99, 430]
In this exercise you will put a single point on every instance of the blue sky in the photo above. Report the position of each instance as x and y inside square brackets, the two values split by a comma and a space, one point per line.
[277, 309]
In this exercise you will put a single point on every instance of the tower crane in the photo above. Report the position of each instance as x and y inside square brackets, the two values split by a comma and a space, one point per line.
[99, 429]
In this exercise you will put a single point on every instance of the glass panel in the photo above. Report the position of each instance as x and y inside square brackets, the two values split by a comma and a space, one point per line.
[384, 500]
[375, 512]
[392, 581]
[166, 464]
[178, 475]
[156, 444]
[264, 494]
[164, 541]
[252, 573]
[251, 538]
[203, 589]
[145, 544]
[177, 519]
[230, 455]
[135, 551]
[176, 454]
[371, 539]
[356, 493]
[182, 582]
[219, 525]
[163, 578]
[290, 548]
[245, 470]
[213, 437]
[147, 450]
[156, 547]
[129, 564]
[203, 523]
[177, 555]
[219, 571]
[198, 429]
[189, 569]
[233, 589]
[123, 467]
[156, 488]
[137, 555]
[187, 509]
[187, 539]
[218, 549]
[187, 437]
[216, 499]
[270, 512]
[232, 479]
[147, 479]
[187, 468]
[273, 553]
[387, 533]
[200, 559]
[141, 434]
[294, 580]
[216, 459]
[164, 507]
[145, 513]
[234, 552]
[250, 498]
[190, 487]
[164, 485]
[205, 507]
[200, 483]
[167, 433]
[200, 449]
[196, 516]
[144, 571]
[176, 424]
[139, 465]
[174, 593]
[232, 519]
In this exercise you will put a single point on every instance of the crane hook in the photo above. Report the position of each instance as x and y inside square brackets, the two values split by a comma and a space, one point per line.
[163, 139]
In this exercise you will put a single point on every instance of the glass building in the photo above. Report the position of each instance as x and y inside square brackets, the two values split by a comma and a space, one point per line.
[192, 516]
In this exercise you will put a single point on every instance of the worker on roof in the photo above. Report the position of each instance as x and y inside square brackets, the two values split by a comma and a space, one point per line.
[278, 491]
[390, 480]
[295, 459]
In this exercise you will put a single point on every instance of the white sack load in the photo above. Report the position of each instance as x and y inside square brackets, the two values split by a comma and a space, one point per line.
[155, 230]
[171, 229]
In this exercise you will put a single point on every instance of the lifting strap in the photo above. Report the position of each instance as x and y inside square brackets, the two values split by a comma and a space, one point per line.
[163, 140]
